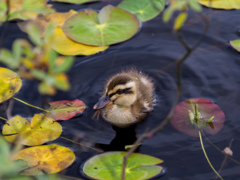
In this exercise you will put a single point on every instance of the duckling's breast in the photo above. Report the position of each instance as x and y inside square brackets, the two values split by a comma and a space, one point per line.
[120, 116]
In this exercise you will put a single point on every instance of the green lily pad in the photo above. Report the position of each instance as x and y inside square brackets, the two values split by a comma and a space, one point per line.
[75, 1]
[236, 44]
[41, 129]
[108, 166]
[10, 83]
[143, 9]
[112, 25]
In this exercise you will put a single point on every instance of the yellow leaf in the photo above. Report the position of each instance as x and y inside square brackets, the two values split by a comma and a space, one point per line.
[41, 129]
[45, 159]
[63, 45]
[221, 4]
[10, 83]
[180, 21]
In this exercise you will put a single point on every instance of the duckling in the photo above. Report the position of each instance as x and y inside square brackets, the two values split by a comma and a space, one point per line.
[127, 99]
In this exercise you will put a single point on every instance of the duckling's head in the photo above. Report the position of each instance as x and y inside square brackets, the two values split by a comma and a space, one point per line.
[121, 90]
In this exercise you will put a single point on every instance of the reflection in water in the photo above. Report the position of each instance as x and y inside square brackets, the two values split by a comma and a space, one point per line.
[123, 137]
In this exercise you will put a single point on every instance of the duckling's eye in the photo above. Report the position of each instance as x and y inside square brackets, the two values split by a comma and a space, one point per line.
[119, 91]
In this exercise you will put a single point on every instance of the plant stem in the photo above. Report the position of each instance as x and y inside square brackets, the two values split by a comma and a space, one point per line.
[30, 104]
[3, 118]
[205, 154]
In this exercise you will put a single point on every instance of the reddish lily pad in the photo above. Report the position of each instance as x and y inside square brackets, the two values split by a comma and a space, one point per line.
[210, 117]
[10, 83]
[111, 25]
[45, 159]
[41, 129]
[64, 110]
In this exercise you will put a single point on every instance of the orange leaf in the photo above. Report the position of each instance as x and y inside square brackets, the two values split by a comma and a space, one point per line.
[64, 110]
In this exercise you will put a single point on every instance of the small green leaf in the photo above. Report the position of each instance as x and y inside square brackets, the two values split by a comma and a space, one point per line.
[34, 34]
[194, 4]
[38, 74]
[167, 14]
[179, 21]
[65, 65]
[210, 119]
[191, 116]
[52, 59]
[236, 44]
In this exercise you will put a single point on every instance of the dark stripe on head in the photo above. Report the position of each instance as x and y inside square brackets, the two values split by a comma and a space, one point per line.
[121, 79]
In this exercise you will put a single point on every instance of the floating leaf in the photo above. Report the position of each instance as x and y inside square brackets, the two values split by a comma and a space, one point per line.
[108, 166]
[221, 4]
[10, 83]
[143, 9]
[180, 21]
[63, 45]
[41, 129]
[197, 113]
[45, 159]
[112, 25]
[75, 1]
[236, 44]
[24, 9]
[64, 110]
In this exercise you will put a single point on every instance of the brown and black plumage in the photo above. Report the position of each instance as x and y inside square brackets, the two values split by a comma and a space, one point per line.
[127, 99]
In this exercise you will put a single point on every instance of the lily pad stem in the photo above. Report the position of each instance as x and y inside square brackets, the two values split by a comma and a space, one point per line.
[30, 104]
[205, 154]
[3, 118]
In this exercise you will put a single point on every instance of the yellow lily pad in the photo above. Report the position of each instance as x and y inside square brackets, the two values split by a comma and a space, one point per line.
[221, 4]
[45, 159]
[10, 83]
[63, 45]
[41, 129]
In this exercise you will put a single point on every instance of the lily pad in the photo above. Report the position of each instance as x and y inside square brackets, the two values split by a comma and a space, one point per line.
[210, 117]
[64, 110]
[108, 166]
[75, 1]
[236, 44]
[10, 83]
[143, 9]
[63, 45]
[45, 159]
[41, 129]
[112, 25]
[24, 9]
[221, 4]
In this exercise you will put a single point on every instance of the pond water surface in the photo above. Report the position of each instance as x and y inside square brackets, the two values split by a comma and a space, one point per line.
[212, 71]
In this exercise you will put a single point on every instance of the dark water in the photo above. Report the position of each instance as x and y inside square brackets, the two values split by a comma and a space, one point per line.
[212, 71]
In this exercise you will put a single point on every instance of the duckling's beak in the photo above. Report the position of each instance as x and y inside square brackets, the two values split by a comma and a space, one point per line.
[104, 101]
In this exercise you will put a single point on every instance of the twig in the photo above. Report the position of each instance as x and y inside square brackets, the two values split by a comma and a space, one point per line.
[178, 92]
[225, 160]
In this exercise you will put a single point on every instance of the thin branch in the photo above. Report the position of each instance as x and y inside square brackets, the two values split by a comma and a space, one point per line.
[178, 92]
